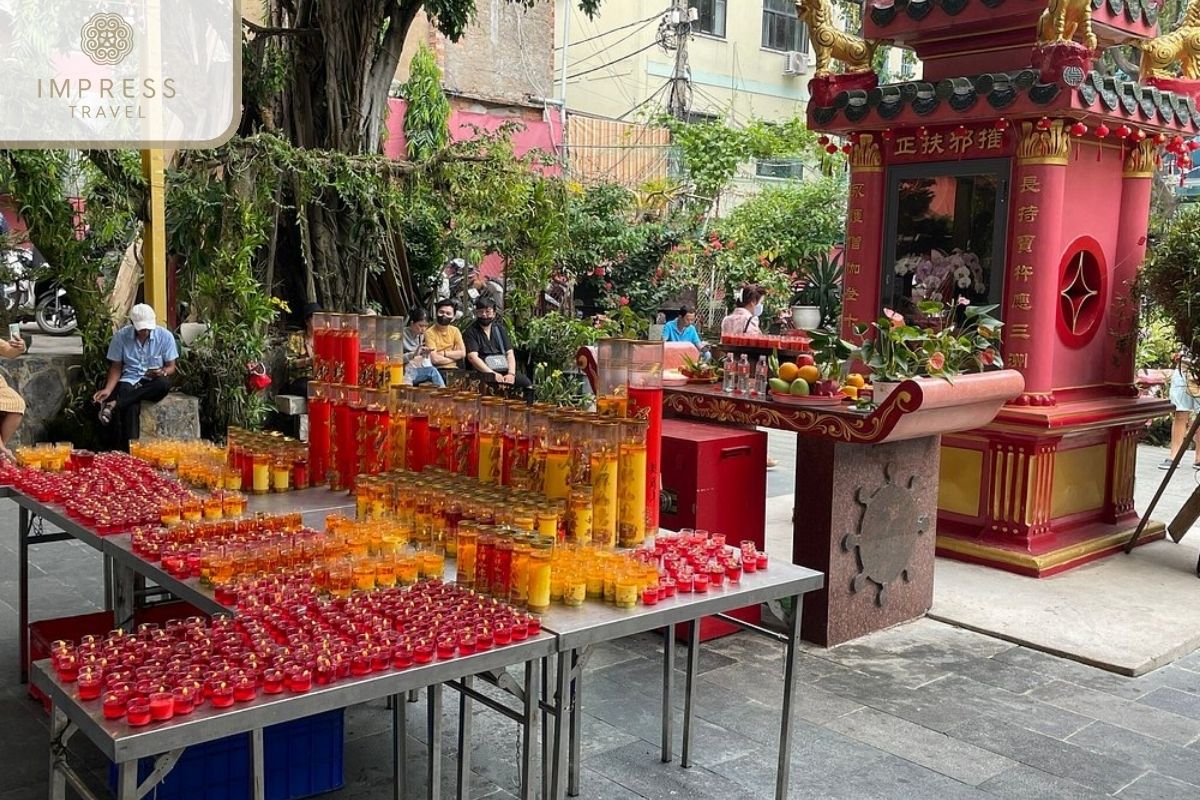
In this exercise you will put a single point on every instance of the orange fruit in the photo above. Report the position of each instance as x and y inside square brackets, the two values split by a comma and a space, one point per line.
[851, 391]
[788, 371]
[856, 380]
[809, 373]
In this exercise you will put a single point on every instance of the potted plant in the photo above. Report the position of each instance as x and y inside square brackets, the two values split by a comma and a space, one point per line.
[806, 307]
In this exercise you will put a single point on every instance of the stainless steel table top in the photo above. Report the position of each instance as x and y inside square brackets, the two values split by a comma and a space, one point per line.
[120, 742]
[120, 547]
[595, 622]
[315, 504]
[57, 515]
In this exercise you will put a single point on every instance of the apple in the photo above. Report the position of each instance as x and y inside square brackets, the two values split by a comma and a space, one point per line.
[805, 360]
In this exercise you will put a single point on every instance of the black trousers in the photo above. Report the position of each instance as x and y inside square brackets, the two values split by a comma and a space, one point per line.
[128, 398]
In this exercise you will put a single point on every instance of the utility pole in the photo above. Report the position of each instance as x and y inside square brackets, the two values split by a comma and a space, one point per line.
[679, 18]
[562, 94]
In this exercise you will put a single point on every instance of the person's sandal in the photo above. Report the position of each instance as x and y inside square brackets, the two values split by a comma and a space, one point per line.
[106, 413]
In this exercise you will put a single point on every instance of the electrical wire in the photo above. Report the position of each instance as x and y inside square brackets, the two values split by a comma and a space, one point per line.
[602, 48]
[614, 61]
[614, 30]
[649, 99]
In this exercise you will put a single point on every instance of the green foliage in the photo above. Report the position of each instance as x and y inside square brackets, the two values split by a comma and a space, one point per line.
[712, 151]
[968, 340]
[1156, 341]
[553, 339]
[427, 115]
[1171, 281]
[557, 388]
[822, 286]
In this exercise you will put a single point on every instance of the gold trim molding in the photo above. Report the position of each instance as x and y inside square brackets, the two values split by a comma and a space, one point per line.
[1051, 145]
[1139, 163]
[865, 155]
[1055, 558]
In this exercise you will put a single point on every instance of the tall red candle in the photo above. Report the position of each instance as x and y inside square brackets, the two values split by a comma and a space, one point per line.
[417, 454]
[318, 440]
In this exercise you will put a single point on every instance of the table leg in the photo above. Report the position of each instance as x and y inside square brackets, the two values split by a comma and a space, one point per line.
[575, 762]
[693, 665]
[258, 766]
[434, 730]
[23, 524]
[668, 689]
[789, 696]
[124, 596]
[562, 679]
[399, 747]
[58, 781]
[529, 730]
[127, 784]
[109, 600]
[546, 729]
[464, 741]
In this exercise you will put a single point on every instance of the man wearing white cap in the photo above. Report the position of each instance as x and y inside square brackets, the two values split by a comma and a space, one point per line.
[141, 359]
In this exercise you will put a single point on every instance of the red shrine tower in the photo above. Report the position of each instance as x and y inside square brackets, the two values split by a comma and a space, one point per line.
[1017, 174]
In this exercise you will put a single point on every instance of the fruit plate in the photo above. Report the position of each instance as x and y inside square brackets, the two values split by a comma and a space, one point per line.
[712, 379]
[808, 399]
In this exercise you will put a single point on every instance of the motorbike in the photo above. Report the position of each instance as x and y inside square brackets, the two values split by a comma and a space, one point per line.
[28, 299]
[465, 283]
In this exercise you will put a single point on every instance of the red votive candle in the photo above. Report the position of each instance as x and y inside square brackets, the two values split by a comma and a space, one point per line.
[650, 596]
[360, 662]
[299, 680]
[380, 658]
[685, 583]
[466, 644]
[733, 571]
[162, 706]
[700, 583]
[762, 561]
[244, 689]
[502, 634]
[749, 562]
[533, 626]
[137, 712]
[221, 694]
[423, 653]
[484, 639]
[446, 647]
[90, 683]
[67, 667]
[184, 701]
[115, 703]
[402, 656]
[716, 575]
[668, 587]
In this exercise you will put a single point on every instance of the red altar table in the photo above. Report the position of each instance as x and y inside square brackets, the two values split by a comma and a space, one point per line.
[866, 490]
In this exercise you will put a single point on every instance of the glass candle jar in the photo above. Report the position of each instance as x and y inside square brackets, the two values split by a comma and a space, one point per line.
[468, 535]
[260, 482]
[612, 377]
[632, 483]
[492, 416]
[604, 460]
[539, 572]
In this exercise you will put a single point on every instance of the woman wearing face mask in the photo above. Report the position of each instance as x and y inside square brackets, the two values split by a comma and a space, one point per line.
[744, 319]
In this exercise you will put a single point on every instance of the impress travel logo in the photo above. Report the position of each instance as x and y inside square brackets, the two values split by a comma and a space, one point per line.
[119, 73]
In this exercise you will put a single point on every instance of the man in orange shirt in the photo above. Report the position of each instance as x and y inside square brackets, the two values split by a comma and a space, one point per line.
[443, 339]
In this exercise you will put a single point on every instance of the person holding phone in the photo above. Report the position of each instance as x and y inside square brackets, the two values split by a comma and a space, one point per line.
[418, 363]
[141, 361]
[12, 405]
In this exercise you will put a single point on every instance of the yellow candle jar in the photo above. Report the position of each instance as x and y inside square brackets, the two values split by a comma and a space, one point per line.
[540, 577]
[281, 476]
[627, 587]
[575, 589]
[632, 483]
[468, 535]
[579, 516]
[604, 467]
[260, 474]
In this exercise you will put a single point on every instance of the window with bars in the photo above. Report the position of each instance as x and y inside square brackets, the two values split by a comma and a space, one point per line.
[782, 169]
[712, 16]
[781, 28]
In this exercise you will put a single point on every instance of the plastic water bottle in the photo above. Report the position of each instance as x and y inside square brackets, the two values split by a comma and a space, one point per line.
[730, 378]
[761, 374]
[743, 376]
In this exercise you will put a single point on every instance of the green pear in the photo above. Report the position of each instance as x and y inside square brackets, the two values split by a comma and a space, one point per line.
[799, 387]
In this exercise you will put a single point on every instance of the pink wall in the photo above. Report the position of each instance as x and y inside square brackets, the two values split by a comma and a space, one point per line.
[535, 134]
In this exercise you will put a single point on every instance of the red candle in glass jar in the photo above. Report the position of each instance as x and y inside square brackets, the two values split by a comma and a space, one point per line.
[684, 583]
[761, 561]
[650, 596]
[733, 570]
[700, 583]
[299, 680]
[245, 689]
[716, 574]
[325, 673]
[502, 634]
[162, 706]
[184, 701]
[114, 704]
[221, 694]
[67, 667]
[90, 683]
[402, 656]
[423, 653]
[380, 658]
[137, 712]
[668, 587]
[484, 638]
[446, 647]
[360, 662]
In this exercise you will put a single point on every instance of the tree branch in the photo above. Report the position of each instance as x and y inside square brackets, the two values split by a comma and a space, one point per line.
[260, 30]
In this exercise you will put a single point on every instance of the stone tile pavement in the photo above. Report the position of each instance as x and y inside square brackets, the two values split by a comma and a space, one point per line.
[920, 711]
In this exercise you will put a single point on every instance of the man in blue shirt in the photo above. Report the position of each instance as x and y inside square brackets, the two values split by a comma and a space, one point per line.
[141, 360]
[683, 329]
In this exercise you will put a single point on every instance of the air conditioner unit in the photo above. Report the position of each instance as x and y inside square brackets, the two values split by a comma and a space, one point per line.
[795, 63]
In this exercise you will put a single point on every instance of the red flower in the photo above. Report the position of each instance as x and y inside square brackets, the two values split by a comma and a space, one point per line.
[937, 360]
[624, 300]
[608, 285]
[988, 357]
[598, 271]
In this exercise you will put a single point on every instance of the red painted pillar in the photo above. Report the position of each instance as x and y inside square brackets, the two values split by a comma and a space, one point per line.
[1031, 294]
[1130, 253]
[864, 234]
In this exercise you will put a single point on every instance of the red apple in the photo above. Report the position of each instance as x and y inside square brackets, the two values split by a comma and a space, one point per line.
[805, 360]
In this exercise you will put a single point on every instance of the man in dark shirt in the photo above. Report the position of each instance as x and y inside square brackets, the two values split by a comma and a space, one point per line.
[489, 350]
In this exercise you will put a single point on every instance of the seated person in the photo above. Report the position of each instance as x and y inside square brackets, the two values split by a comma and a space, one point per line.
[418, 366]
[141, 360]
[300, 354]
[489, 350]
[12, 405]
[683, 329]
[444, 340]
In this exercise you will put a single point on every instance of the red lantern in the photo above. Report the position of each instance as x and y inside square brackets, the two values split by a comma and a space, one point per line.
[824, 140]
[831, 148]
[1160, 138]
[1043, 124]
[887, 135]
[1101, 131]
[855, 137]
[1000, 124]
[1177, 141]
[1122, 131]
[1193, 146]
[847, 148]
[1079, 129]
[1138, 135]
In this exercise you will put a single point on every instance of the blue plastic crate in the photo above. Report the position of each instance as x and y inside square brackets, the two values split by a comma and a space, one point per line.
[303, 758]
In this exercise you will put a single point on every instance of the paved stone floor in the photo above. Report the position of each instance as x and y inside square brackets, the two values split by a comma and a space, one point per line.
[924, 710]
